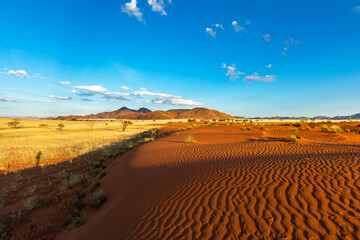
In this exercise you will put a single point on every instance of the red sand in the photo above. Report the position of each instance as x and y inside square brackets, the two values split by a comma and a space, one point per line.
[233, 184]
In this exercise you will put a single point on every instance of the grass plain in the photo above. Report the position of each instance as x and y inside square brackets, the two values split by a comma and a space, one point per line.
[40, 142]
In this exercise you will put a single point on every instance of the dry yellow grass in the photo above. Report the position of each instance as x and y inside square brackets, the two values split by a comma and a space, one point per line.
[20, 147]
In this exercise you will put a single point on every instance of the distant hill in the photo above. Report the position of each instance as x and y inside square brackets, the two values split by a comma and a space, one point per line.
[114, 114]
[197, 113]
[144, 113]
[354, 117]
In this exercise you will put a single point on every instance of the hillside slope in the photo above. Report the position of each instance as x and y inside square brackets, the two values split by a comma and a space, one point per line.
[197, 113]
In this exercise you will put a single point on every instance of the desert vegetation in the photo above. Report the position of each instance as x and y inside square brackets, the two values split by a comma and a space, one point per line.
[75, 188]
[31, 142]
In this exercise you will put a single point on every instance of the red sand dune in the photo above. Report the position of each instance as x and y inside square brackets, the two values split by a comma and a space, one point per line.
[233, 184]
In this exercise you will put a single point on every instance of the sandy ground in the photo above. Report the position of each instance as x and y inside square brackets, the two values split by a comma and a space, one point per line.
[233, 184]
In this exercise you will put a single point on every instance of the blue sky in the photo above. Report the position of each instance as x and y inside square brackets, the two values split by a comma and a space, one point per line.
[246, 58]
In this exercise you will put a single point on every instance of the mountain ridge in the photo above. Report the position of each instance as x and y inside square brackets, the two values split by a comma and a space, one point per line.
[144, 113]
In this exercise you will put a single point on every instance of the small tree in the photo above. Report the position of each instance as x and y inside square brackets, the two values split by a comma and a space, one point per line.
[14, 123]
[125, 124]
[91, 125]
[61, 126]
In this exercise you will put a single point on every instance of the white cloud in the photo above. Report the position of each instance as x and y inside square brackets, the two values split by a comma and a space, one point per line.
[97, 89]
[93, 88]
[73, 91]
[60, 98]
[356, 9]
[248, 22]
[147, 93]
[117, 93]
[267, 37]
[125, 87]
[131, 9]
[290, 42]
[237, 27]
[18, 73]
[211, 32]
[64, 83]
[2, 99]
[157, 6]
[255, 77]
[143, 89]
[219, 26]
[38, 75]
[44, 101]
[112, 97]
[231, 72]
[269, 66]
[176, 101]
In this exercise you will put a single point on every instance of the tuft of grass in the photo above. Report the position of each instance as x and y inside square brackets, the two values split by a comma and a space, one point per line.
[262, 128]
[31, 203]
[78, 199]
[324, 128]
[249, 128]
[243, 129]
[97, 200]
[75, 219]
[190, 139]
[336, 129]
[3, 232]
[95, 186]
[31, 190]
[3, 200]
[72, 181]
[297, 134]
[291, 138]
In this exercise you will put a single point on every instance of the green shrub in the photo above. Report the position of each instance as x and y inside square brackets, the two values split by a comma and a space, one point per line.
[297, 134]
[336, 129]
[97, 200]
[249, 128]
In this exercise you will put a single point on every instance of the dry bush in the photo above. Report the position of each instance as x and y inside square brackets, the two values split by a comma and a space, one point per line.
[190, 139]
[291, 138]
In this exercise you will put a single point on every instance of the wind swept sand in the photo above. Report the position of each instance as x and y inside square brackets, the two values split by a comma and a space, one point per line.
[233, 184]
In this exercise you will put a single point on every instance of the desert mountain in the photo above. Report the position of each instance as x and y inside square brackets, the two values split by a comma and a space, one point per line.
[114, 114]
[197, 113]
[144, 113]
